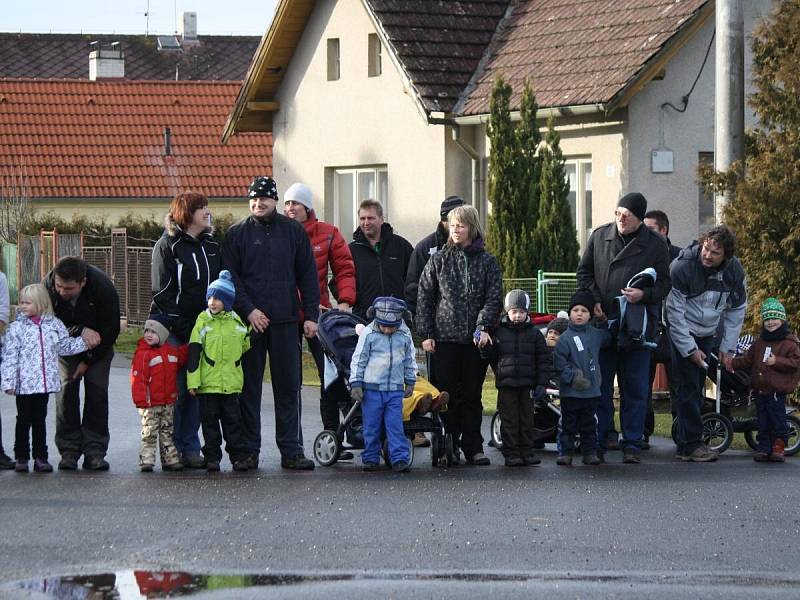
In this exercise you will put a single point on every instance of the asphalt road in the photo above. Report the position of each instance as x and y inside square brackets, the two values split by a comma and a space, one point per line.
[660, 529]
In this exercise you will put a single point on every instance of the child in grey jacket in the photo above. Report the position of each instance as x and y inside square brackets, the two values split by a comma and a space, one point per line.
[578, 370]
[382, 372]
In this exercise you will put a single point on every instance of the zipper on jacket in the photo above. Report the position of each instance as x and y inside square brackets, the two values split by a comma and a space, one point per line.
[41, 354]
[208, 268]
[196, 266]
[391, 361]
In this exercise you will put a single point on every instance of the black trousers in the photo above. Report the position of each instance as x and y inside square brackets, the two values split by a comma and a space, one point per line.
[216, 409]
[577, 418]
[280, 341]
[31, 415]
[460, 371]
[328, 402]
[516, 421]
[88, 435]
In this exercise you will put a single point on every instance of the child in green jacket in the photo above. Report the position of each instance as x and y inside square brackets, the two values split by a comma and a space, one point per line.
[214, 372]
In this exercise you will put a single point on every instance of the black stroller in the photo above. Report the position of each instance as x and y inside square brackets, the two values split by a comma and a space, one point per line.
[338, 338]
[733, 410]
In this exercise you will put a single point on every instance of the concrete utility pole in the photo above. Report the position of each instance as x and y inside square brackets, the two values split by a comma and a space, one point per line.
[729, 91]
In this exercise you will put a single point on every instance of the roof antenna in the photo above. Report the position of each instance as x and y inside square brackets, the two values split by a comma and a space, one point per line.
[147, 20]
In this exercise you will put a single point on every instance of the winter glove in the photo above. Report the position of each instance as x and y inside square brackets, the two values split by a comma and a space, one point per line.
[539, 393]
[357, 394]
[580, 383]
[409, 391]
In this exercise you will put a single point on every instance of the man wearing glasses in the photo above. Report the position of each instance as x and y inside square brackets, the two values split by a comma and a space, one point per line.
[615, 253]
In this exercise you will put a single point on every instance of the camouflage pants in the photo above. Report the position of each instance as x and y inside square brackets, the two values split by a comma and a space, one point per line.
[157, 427]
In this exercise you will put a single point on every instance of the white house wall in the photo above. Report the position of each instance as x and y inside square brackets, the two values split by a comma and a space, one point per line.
[686, 134]
[354, 121]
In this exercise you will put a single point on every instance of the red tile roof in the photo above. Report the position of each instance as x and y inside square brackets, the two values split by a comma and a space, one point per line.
[66, 56]
[105, 139]
[576, 52]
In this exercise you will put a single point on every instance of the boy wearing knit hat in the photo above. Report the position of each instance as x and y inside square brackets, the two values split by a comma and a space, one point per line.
[774, 363]
[154, 374]
[214, 373]
[578, 371]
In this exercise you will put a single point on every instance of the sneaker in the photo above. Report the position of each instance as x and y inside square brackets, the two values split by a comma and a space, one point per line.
[401, 466]
[193, 461]
[68, 463]
[212, 465]
[420, 441]
[21, 465]
[514, 461]
[761, 457]
[240, 465]
[176, 466]
[564, 460]
[95, 463]
[479, 459]
[440, 402]
[40, 465]
[700, 454]
[6, 462]
[591, 459]
[297, 463]
[531, 459]
[778, 447]
[631, 457]
[346, 455]
[146, 468]
[370, 467]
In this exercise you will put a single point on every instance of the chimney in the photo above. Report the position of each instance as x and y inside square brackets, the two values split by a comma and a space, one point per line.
[106, 63]
[167, 141]
[188, 28]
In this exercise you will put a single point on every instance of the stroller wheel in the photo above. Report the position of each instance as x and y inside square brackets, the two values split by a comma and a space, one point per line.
[326, 448]
[387, 459]
[717, 432]
[436, 450]
[496, 438]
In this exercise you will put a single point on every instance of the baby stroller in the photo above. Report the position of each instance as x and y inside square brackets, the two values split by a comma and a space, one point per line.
[546, 415]
[733, 410]
[338, 338]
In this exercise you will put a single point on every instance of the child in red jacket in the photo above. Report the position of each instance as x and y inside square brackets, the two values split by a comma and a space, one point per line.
[154, 374]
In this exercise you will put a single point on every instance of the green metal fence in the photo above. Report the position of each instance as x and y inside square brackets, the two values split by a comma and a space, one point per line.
[527, 285]
[554, 291]
[10, 269]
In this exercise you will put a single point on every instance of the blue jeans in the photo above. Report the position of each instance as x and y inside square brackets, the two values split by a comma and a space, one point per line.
[690, 381]
[771, 411]
[187, 415]
[632, 368]
[383, 411]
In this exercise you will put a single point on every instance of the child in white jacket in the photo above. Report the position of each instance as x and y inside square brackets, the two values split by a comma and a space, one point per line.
[32, 346]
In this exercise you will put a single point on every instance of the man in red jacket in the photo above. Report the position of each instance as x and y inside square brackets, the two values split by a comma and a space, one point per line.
[329, 248]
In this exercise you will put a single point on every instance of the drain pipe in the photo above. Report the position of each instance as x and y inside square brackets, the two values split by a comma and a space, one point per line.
[476, 169]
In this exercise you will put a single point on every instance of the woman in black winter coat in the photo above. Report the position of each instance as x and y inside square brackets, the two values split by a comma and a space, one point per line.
[459, 300]
[185, 261]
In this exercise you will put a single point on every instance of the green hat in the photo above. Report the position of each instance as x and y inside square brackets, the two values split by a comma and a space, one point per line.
[771, 308]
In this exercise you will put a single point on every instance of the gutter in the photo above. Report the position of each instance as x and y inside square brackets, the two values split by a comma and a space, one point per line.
[542, 113]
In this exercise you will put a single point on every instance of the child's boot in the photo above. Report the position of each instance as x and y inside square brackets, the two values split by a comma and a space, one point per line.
[145, 467]
[21, 466]
[591, 458]
[175, 466]
[440, 402]
[761, 457]
[514, 461]
[531, 459]
[778, 447]
[424, 405]
[40, 465]
[564, 460]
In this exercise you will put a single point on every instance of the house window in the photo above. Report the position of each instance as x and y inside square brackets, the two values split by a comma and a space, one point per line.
[374, 61]
[579, 177]
[706, 216]
[351, 186]
[333, 59]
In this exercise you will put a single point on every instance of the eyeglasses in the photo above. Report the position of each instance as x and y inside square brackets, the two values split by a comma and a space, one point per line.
[623, 215]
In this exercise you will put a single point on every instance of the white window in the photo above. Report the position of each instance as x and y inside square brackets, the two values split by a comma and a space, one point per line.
[375, 67]
[579, 177]
[350, 187]
[334, 67]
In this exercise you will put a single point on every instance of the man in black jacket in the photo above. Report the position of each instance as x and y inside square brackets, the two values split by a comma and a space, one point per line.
[381, 258]
[269, 256]
[614, 254]
[426, 248]
[85, 299]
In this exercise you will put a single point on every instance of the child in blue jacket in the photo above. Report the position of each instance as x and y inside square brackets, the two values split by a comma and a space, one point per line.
[383, 372]
[578, 370]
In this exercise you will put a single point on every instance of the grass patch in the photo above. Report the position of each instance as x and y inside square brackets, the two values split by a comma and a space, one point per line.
[127, 340]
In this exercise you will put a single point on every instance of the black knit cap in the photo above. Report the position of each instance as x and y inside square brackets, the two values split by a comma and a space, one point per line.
[263, 187]
[449, 204]
[582, 297]
[558, 325]
[634, 202]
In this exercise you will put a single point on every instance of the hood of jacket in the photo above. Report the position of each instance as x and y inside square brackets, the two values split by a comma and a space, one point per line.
[386, 233]
[173, 230]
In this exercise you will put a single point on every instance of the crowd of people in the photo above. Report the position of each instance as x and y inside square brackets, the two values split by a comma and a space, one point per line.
[219, 314]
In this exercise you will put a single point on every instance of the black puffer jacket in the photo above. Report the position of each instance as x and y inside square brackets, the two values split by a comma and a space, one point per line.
[460, 290]
[608, 263]
[182, 267]
[426, 248]
[379, 273]
[519, 355]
